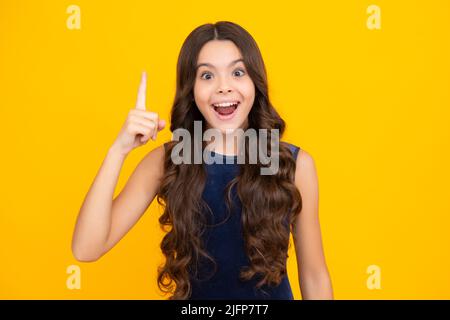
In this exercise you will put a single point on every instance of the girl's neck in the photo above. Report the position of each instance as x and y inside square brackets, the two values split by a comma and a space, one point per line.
[228, 145]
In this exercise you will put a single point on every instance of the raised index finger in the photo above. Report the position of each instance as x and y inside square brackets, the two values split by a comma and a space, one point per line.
[140, 103]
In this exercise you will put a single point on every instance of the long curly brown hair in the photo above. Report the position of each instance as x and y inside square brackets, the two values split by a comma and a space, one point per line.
[268, 201]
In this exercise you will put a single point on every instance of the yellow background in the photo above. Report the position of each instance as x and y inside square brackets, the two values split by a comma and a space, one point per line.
[371, 106]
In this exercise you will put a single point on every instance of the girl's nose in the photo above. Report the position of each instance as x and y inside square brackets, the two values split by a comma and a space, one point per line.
[222, 90]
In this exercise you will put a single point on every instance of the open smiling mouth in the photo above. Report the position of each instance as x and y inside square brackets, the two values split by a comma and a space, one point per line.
[226, 110]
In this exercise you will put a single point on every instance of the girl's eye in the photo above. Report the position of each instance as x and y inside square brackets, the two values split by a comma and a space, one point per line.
[205, 73]
[240, 71]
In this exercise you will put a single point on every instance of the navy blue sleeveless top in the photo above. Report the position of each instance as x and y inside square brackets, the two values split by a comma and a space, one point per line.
[224, 242]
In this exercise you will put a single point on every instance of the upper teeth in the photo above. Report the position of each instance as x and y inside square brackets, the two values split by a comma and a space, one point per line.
[225, 104]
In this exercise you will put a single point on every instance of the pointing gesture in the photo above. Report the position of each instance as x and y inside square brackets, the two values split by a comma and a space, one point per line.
[140, 103]
[140, 125]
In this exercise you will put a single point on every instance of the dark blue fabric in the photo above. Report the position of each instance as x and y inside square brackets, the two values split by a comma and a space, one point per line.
[225, 243]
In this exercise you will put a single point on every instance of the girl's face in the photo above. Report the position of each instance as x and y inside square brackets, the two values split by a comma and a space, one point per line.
[223, 91]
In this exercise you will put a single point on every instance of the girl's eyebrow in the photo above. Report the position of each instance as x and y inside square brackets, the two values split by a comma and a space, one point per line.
[210, 65]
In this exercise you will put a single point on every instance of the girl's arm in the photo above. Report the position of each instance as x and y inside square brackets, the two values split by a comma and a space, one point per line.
[314, 278]
[102, 221]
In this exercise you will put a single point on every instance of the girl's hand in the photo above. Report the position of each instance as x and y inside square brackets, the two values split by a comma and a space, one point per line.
[140, 125]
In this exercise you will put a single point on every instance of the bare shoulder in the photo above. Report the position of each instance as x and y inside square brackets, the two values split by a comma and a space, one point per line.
[149, 171]
[153, 162]
[305, 172]
[305, 161]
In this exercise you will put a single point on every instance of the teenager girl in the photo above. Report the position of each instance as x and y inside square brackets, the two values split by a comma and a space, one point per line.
[229, 225]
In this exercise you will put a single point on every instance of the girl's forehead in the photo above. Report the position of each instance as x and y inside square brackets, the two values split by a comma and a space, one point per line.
[220, 51]
[220, 65]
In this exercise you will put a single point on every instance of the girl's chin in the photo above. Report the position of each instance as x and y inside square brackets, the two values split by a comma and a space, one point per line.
[224, 128]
